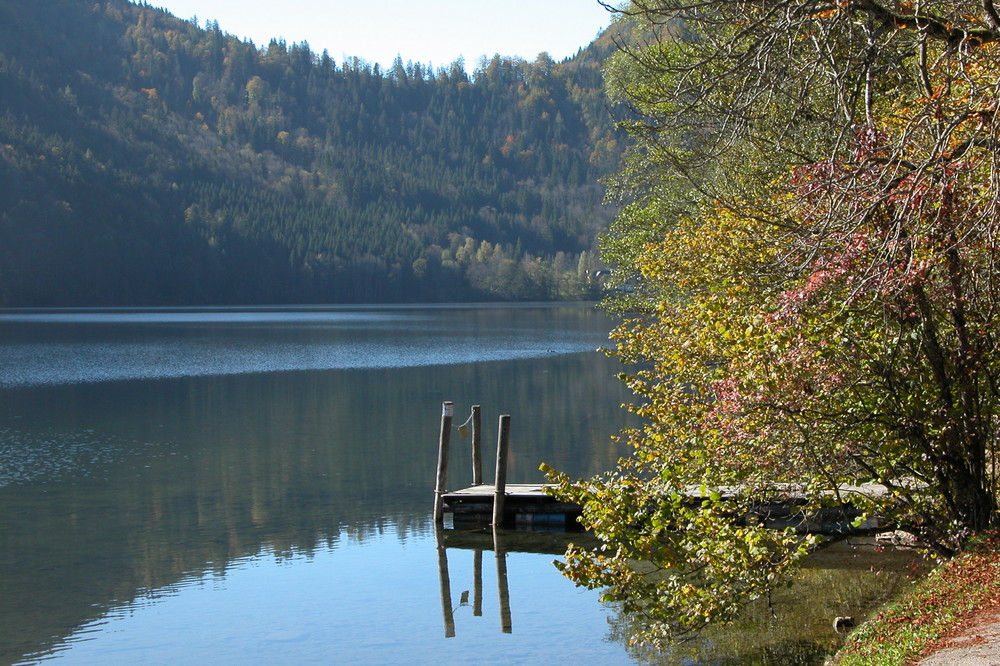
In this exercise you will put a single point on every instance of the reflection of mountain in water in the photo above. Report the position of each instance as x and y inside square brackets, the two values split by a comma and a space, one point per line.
[167, 478]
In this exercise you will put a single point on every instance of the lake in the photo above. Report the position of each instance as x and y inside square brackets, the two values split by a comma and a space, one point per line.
[254, 486]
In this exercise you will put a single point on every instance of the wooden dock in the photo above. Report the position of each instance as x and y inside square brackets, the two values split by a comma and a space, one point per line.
[528, 506]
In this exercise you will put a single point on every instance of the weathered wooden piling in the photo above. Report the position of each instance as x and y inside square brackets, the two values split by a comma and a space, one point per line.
[444, 442]
[477, 446]
[500, 479]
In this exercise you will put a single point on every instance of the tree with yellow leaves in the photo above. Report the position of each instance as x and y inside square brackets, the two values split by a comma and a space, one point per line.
[811, 247]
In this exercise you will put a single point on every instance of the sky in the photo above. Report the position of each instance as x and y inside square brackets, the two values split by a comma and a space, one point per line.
[424, 31]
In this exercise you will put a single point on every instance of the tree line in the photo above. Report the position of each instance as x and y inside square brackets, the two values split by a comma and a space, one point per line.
[147, 159]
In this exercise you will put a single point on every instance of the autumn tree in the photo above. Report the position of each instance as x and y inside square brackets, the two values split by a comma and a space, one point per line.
[811, 244]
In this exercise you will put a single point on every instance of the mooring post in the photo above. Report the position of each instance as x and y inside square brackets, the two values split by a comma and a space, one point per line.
[500, 480]
[440, 487]
[477, 448]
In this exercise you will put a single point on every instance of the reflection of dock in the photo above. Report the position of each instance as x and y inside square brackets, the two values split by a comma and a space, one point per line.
[501, 543]
[503, 591]
[547, 542]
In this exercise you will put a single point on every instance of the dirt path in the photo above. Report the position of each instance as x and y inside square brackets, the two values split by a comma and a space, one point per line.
[976, 643]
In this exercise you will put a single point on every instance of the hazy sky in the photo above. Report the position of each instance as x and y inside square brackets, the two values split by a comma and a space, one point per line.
[435, 31]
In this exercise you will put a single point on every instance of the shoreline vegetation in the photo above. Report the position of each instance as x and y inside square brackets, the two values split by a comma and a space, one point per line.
[808, 227]
[955, 594]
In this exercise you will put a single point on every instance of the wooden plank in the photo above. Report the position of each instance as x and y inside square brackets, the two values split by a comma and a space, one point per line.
[512, 490]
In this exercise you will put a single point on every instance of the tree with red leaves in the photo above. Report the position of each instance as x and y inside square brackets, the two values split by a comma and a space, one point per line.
[810, 244]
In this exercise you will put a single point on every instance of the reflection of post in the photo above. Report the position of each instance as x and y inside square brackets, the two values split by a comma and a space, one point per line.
[447, 412]
[477, 577]
[446, 608]
[503, 591]
[477, 446]
[503, 443]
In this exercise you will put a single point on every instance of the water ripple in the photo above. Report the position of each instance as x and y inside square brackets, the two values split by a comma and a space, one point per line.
[29, 456]
[81, 362]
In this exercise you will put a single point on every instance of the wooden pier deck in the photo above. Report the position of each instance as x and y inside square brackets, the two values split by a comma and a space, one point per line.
[528, 506]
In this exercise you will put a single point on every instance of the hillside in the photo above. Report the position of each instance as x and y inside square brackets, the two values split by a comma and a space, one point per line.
[146, 160]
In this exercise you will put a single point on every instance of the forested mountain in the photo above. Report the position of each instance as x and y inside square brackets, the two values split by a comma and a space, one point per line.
[146, 159]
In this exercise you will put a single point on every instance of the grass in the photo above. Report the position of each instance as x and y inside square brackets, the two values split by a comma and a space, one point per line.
[913, 626]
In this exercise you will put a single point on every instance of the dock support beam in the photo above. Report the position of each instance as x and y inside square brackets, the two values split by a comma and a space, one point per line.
[477, 446]
[444, 442]
[500, 480]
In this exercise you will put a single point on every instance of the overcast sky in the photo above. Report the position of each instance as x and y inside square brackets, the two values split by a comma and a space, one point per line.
[425, 31]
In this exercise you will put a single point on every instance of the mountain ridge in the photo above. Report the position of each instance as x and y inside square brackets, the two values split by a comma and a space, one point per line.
[145, 160]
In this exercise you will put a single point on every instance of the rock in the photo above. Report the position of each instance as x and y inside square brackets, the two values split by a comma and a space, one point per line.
[842, 624]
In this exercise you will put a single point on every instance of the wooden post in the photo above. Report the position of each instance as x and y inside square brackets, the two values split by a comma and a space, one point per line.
[477, 448]
[440, 487]
[500, 480]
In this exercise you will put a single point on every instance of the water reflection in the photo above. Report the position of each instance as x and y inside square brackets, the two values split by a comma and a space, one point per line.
[503, 587]
[791, 627]
[318, 608]
[28, 455]
[204, 514]
[500, 542]
[118, 496]
[794, 625]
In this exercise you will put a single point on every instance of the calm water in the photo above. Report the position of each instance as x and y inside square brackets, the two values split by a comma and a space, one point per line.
[254, 487]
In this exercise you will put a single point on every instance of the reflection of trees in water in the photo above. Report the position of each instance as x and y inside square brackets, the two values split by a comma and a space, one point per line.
[225, 468]
[794, 625]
